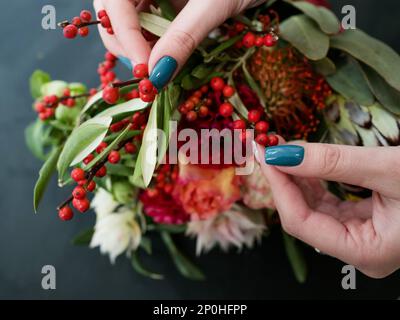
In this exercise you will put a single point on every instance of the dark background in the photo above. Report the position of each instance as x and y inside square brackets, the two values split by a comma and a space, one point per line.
[29, 241]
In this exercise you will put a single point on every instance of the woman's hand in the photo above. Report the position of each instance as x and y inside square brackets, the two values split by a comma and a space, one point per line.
[194, 22]
[365, 234]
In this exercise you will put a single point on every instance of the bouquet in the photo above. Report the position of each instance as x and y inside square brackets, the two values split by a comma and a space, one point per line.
[178, 160]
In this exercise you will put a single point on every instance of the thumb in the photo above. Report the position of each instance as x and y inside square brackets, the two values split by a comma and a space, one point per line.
[184, 35]
[361, 166]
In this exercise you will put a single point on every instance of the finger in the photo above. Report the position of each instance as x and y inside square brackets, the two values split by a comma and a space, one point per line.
[185, 33]
[298, 219]
[362, 166]
[125, 22]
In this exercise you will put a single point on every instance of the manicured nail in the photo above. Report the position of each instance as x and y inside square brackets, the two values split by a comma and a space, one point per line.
[163, 72]
[284, 156]
[126, 62]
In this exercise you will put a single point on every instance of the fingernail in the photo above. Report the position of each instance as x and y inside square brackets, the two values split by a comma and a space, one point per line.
[163, 72]
[285, 155]
[126, 62]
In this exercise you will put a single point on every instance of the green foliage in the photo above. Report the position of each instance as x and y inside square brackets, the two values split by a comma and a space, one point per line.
[83, 238]
[35, 137]
[155, 24]
[295, 257]
[139, 268]
[36, 81]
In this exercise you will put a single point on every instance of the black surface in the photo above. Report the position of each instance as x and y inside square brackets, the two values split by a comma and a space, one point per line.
[29, 241]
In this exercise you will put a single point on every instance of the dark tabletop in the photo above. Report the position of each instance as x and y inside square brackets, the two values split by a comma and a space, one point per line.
[29, 241]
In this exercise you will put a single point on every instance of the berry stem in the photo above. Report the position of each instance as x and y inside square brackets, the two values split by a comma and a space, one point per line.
[83, 95]
[125, 83]
[65, 23]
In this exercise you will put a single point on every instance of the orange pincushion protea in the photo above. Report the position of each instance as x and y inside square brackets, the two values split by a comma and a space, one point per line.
[293, 91]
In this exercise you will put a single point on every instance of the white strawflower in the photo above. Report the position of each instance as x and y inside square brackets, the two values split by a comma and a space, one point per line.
[237, 227]
[116, 231]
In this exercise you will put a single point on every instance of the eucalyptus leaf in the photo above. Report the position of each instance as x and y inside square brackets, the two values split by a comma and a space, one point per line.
[295, 257]
[92, 101]
[154, 24]
[36, 81]
[125, 107]
[386, 94]
[350, 82]
[383, 59]
[84, 238]
[324, 17]
[325, 66]
[45, 174]
[304, 34]
[183, 264]
[139, 268]
[82, 141]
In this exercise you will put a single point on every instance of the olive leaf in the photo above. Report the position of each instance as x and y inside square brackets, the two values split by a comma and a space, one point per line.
[304, 34]
[154, 24]
[82, 141]
[183, 264]
[222, 47]
[349, 81]
[295, 257]
[45, 174]
[254, 85]
[374, 53]
[387, 95]
[125, 107]
[139, 268]
[83, 238]
[36, 81]
[237, 102]
[325, 18]
[92, 101]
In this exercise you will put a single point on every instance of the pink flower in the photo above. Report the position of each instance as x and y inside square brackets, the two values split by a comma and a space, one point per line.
[256, 190]
[205, 192]
[320, 3]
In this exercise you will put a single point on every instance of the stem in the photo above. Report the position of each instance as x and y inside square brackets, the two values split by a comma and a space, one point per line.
[65, 23]
[125, 83]
[83, 95]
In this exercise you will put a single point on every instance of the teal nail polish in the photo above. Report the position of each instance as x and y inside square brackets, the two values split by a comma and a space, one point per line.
[284, 156]
[126, 62]
[163, 71]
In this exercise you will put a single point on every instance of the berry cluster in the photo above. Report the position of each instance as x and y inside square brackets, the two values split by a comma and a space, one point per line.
[165, 180]
[105, 69]
[80, 25]
[47, 106]
[147, 91]
[199, 102]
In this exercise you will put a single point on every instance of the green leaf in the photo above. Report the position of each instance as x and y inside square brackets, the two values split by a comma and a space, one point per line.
[174, 93]
[324, 17]
[36, 81]
[92, 101]
[295, 257]
[145, 244]
[137, 178]
[139, 268]
[202, 71]
[55, 87]
[254, 85]
[224, 46]
[154, 24]
[67, 115]
[387, 95]
[167, 10]
[170, 228]
[122, 191]
[304, 35]
[237, 102]
[45, 174]
[77, 88]
[83, 238]
[126, 107]
[34, 137]
[325, 67]
[385, 123]
[372, 52]
[82, 141]
[119, 170]
[148, 151]
[350, 82]
[166, 107]
[183, 264]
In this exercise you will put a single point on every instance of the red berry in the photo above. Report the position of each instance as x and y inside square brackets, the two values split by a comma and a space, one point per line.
[130, 148]
[140, 71]
[228, 91]
[66, 92]
[273, 140]
[239, 124]
[53, 99]
[108, 64]
[147, 97]
[83, 32]
[114, 157]
[92, 91]
[49, 113]
[111, 95]
[262, 139]
[91, 186]
[82, 182]
[105, 22]
[239, 27]
[116, 127]
[101, 14]
[204, 89]
[70, 31]
[40, 107]
[254, 116]
[100, 148]
[191, 116]
[217, 84]
[262, 126]
[70, 102]
[65, 213]
[76, 21]
[101, 172]
[110, 31]
[203, 111]
[82, 205]
[77, 174]
[270, 40]
[86, 15]
[259, 42]
[88, 159]
[226, 109]
[110, 76]
[79, 192]
[109, 56]
[145, 86]
[249, 40]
